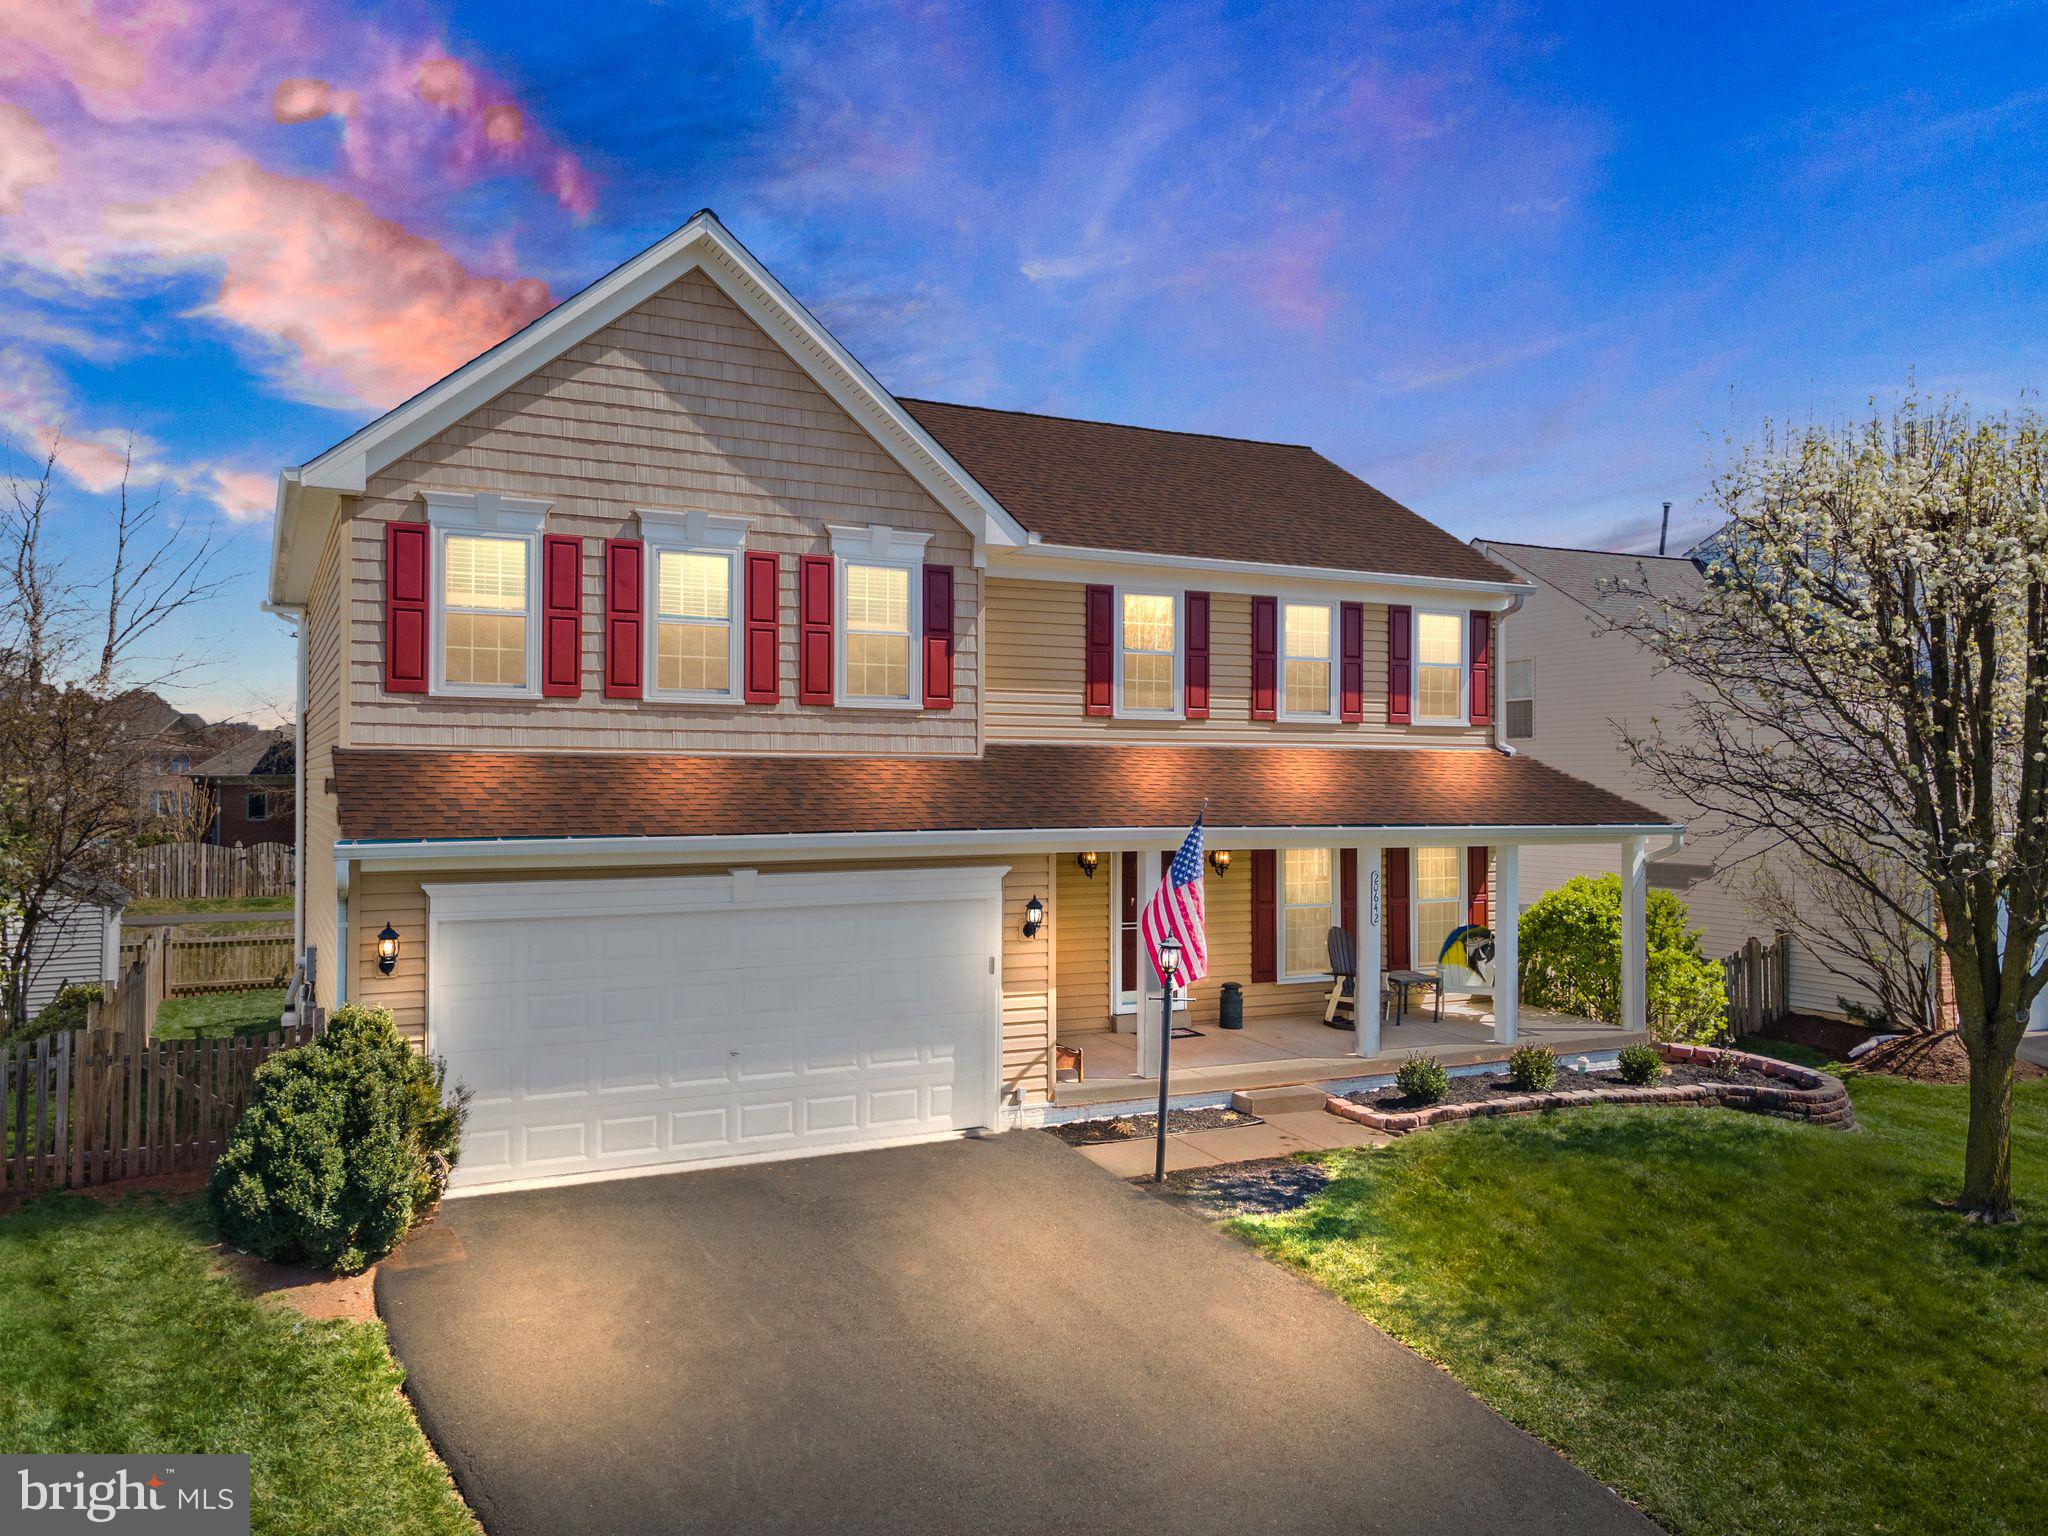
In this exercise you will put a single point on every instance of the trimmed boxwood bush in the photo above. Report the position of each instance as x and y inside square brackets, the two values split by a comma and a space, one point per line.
[1423, 1079]
[1570, 942]
[1639, 1064]
[346, 1142]
[1533, 1068]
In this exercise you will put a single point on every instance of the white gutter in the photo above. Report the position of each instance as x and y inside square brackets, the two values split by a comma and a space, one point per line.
[482, 853]
[295, 615]
[1021, 562]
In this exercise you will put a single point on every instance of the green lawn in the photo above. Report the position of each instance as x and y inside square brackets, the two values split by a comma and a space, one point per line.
[121, 1335]
[159, 906]
[250, 1012]
[1744, 1324]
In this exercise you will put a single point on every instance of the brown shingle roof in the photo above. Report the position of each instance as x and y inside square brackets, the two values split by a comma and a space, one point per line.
[1102, 486]
[264, 754]
[404, 795]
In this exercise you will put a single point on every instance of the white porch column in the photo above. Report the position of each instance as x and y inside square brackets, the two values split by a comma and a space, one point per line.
[1507, 942]
[1366, 1006]
[1635, 886]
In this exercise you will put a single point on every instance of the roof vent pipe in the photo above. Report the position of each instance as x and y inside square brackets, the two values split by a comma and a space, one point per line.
[1664, 533]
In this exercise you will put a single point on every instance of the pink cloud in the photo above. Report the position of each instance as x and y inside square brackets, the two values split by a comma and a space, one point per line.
[362, 307]
[27, 158]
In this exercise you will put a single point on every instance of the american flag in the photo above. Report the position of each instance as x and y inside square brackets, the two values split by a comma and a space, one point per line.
[1176, 908]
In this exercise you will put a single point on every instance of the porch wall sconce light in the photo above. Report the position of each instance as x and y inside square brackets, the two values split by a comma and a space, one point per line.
[1087, 863]
[387, 949]
[1034, 917]
[1219, 860]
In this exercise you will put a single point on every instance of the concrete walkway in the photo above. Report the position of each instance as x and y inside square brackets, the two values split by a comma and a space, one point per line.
[987, 1336]
[1282, 1135]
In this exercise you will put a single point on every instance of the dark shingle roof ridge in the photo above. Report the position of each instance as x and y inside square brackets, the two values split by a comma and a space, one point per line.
[1120, 426]
[1581, 549]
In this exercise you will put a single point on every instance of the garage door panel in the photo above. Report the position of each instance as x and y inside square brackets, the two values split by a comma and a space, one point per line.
[599, 1043]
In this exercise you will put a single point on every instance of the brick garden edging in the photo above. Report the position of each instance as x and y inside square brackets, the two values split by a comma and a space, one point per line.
[1815, 1097]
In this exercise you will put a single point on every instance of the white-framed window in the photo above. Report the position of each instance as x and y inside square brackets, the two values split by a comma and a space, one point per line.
[1439, 899]
[1440, 693]
[880, 607]
[1521, 700]
[694, 625]
[1150, 666]
[485, 592]
[1308, 661]
[256, 806]
[1308, 911]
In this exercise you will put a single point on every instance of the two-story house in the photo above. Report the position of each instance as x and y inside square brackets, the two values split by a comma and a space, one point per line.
[715, 756]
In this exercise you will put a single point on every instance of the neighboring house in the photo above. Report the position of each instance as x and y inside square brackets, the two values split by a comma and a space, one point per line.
[167, 742]
[1570, 684]
[746, 762]
[250, 789]
[78, 940]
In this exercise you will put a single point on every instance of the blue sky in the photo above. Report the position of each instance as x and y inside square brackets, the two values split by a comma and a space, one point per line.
[1526, 268]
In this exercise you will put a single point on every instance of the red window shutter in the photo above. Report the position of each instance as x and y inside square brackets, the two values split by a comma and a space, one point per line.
[405, 607]
[938, 637]
[1482, 668]
[1475, 886]
[1265, 916]
[761, 646]
[1400, 663]
[814, 630]
[561, 603]
[625, 617]
[1347, 894]
[1196, 678]
[1101, 626]
[1265, 656]
[1398, 958]
[1351, 673]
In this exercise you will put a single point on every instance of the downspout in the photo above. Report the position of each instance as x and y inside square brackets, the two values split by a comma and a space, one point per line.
[1500, 674]
[294, 614]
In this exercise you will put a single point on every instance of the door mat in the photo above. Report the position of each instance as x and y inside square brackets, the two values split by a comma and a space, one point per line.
[1183, 1032]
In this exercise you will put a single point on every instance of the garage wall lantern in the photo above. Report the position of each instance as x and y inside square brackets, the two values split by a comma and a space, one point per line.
[387, 949]
[1034, 917]
[1219, 860]
[1087, 863]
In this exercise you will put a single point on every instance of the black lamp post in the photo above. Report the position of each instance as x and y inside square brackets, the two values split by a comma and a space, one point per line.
[1169, 974]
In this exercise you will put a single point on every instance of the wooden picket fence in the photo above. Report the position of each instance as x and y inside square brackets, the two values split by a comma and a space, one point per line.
[190, 960]
[97, 1105]
[1759, 978]
[200, 871]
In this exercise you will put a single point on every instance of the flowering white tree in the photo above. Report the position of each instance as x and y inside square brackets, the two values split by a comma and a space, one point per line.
[1869, 671]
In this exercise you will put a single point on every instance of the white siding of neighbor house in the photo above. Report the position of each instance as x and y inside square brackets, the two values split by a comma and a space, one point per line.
[70, 945]
[1589, 686]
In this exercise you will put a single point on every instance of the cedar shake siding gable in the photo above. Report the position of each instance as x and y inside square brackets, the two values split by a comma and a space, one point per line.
[412, 796]
[1098, 485]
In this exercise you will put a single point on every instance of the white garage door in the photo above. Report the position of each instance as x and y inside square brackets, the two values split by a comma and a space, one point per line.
[612, 1025]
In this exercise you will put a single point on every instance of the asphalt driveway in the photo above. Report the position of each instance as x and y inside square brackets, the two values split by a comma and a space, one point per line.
[970, 1336]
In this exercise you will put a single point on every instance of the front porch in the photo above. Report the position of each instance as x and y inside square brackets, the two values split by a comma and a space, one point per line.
[1289, 1049]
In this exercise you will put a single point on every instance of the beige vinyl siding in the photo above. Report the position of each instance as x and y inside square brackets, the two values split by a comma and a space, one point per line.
[1588, 686]
[319, 732]
[1030, 984]
[683, 404]
[1083, 945]
[1036, 666]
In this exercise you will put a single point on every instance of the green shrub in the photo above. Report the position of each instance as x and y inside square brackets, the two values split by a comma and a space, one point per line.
[1423, 1079]
[65, 1011]
[1570, 941]
[345, 1143]
[1640, 1064]
[1533, 1068]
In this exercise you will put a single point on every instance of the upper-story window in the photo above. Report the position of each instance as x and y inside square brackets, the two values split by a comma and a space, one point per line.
[693, 602]
[1521, 699]
[881, 602]
[486, 593]
[1440, 697]
[1148, 654]
[256, 807]
[1308, 637]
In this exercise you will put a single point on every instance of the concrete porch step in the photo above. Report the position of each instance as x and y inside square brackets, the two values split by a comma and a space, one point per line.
[1291, 1099]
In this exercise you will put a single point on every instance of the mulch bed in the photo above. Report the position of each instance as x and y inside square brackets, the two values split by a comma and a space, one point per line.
[1482, 1089]
[1093, 1133]
[1263, 1188]
[1833, 1038]
[1938, 1058]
